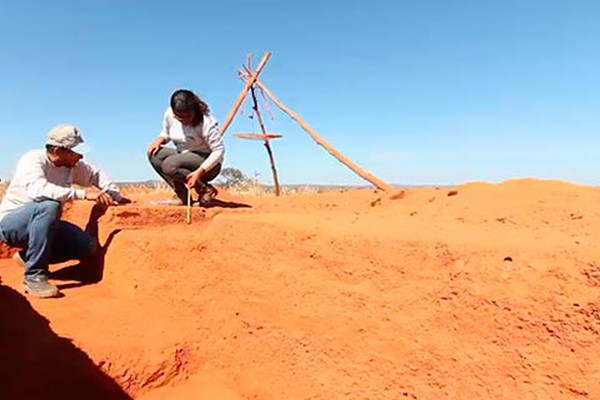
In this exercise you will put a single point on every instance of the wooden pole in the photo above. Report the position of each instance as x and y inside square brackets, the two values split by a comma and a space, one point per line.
[188, 216]
[258, 136]
[249, 82]
[320, 141]
[266, 142]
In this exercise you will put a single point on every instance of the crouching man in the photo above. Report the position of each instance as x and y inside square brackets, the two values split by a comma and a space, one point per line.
[30, 212]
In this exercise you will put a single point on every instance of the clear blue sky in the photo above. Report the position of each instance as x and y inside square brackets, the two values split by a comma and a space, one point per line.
[418, 92]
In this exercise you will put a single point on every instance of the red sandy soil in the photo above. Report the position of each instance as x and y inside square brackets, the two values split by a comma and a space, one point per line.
[490, 293]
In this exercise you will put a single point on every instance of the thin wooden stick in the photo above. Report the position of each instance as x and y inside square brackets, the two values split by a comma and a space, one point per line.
[189, 206]
[320, 141]
[250, 81]
[258, 136]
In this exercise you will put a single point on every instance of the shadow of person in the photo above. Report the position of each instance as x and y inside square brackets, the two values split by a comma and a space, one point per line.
[36, 363]
[225, 204]
[90, 270]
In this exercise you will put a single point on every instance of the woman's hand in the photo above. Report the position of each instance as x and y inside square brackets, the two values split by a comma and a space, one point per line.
[155, 146]
[192, 179]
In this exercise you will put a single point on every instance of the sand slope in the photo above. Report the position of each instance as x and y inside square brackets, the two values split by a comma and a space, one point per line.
[489, 293]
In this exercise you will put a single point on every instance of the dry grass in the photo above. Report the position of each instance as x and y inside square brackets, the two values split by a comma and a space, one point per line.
[255, 188]
[248, 188]
[144, 188]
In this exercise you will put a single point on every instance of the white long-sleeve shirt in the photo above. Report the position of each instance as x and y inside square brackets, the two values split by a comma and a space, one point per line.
[37, 178]
[204, 138]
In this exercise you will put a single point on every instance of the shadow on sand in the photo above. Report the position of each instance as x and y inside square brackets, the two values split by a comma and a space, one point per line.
[226, 204]
[89, 271]
[36, 363]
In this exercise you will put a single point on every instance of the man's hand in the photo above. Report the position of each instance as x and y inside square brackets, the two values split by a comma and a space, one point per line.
[192, 179]
[155, 146]
[100, 197]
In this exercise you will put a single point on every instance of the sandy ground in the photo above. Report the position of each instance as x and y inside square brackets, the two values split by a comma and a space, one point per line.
[489, 293]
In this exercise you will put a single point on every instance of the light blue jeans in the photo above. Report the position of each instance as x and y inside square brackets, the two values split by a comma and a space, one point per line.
[37, 229]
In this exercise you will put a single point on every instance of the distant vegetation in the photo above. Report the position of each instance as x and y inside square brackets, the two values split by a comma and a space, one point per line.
[232, 177]
[236, 182]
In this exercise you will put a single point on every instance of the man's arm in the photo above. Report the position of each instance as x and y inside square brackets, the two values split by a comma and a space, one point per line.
[37, 186]
[87, 175]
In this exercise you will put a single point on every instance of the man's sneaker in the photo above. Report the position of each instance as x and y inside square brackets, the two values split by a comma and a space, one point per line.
[19, 260]
[40, 287]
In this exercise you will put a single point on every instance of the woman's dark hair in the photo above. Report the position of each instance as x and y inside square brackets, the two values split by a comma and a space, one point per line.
[185, 100]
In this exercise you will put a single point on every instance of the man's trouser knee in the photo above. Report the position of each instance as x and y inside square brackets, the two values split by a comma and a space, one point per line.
[32, 227]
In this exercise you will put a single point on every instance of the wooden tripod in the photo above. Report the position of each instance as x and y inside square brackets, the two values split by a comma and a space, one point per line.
[252, 81]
